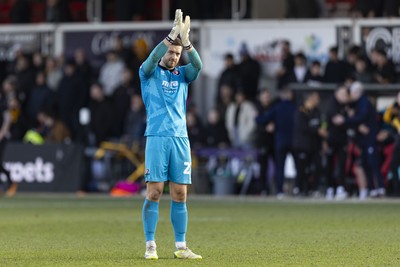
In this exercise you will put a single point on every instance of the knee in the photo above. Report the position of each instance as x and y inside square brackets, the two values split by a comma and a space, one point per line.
[154, 194]
[179, 195]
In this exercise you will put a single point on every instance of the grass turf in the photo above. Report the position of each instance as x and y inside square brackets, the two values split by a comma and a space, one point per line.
[59, 230]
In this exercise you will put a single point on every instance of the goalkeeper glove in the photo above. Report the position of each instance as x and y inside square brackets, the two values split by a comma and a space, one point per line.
[176, 28]
[184, 33]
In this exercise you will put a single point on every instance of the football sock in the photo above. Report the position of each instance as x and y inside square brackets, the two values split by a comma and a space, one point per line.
[179, 219]
[150, 218]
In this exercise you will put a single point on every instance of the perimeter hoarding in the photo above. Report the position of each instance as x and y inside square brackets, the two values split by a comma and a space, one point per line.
[263, 40]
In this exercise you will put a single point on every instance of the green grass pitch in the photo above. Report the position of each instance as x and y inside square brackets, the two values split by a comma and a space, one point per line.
[62, 230]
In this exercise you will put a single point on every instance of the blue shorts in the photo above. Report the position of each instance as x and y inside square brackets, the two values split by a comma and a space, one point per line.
[168, 159]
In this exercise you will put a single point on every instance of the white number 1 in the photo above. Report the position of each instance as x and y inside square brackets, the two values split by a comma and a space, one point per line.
[187, 169]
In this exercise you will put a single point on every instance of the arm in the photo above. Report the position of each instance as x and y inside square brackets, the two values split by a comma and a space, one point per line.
[360, 116]
[150, 64]
[266, 117]
[193, 69]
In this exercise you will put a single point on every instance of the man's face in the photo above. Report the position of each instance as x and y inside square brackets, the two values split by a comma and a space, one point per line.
[172, 56]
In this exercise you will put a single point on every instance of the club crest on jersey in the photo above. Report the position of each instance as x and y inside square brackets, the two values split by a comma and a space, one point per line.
[176, 72]
[147, 172]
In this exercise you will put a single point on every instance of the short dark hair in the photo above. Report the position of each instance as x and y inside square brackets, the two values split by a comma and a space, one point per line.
[177, 42]
[334, 49]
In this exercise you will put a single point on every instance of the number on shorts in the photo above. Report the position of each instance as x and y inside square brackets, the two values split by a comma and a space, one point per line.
[187, 169]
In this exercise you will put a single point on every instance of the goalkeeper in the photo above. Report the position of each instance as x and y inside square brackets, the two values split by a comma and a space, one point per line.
[167, 156]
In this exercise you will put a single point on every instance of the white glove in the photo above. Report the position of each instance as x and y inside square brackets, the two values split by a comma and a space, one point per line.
[184, 33]
[176, 28]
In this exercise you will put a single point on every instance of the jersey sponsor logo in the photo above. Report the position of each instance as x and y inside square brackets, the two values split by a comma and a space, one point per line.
[170, 87]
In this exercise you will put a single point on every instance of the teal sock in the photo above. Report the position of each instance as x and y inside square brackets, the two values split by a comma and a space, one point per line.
[179, 219]
[150, 219]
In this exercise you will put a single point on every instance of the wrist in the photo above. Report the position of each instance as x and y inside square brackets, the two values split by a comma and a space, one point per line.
[187, 46]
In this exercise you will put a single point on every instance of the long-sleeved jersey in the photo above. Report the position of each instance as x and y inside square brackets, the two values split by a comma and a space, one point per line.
[164, 93]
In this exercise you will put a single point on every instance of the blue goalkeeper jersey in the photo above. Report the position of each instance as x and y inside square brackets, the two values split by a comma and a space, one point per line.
[164, 93]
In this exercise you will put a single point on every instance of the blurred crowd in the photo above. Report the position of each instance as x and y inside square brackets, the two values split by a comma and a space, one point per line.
[340, 145]
[56, 11]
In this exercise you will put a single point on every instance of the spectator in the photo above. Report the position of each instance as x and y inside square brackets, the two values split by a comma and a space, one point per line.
[195, 129]
[385, 70]
[363, 118]
[53, 73]
[287, 64]
[282, 115]
[336, 70]
[300, 72]
[110, 73]
[101, 114]
[352, 54]
[68, 98]
[135, 120]
[38, 61]
[127, 10]
[122, 101]
[226, 96]
[83, 66]
[216, 133]
[249, 71]
[300, 9]
[315, 77]
[124, 53]
[140, 51]
[240, 122]
[40, 98]
[337, 145]
[20, 12]
[19, 122]
[229, 75]
[9, 88]
[57, 11]
[392, 117]
[25, 77]
[307, 140]
[265, 139]
[361, 72]
[52, 129]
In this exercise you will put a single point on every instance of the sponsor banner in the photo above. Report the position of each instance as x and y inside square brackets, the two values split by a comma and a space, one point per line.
[44, 168]
[386, 37]
[97, 42]
[263, 41]
[28, 42]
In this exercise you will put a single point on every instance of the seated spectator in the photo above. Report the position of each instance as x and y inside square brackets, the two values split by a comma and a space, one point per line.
[216, 134]
[135, 120]
[52, 129]
[83, 66]
[38, 61]
[385, 69]
[240, 121]
[300, 72]
[41, 98]
[110, 73]
[101, 115]
[361, 72]
[336, 70]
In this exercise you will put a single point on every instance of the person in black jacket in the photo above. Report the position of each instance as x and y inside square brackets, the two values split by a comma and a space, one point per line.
[337, 145]
[265, 139]
[282, 116]
[287, 64]
[336, 70]
[229, 76]
[364, 119]
[307, 140]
